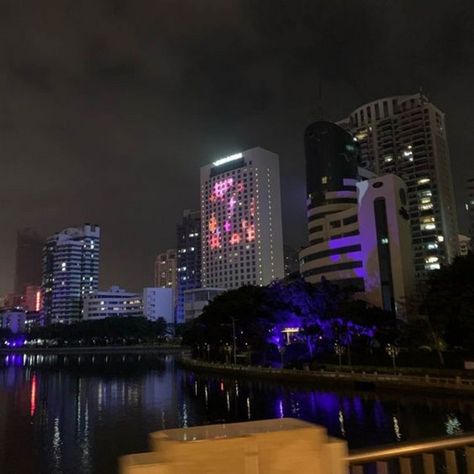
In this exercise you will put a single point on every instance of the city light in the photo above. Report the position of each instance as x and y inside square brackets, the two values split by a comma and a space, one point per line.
[227, 159]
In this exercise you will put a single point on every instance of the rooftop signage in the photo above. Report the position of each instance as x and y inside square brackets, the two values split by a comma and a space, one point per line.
[227, 159]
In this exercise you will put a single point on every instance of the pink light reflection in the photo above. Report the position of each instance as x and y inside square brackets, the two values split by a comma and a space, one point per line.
[33, 395]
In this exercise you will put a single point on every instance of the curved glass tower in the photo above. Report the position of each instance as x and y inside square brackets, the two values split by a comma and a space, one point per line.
[331, 156]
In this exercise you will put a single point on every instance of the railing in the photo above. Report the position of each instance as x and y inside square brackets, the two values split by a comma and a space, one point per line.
[448, 455]
[451, 383]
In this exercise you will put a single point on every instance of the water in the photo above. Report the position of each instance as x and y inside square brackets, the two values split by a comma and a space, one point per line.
[77, 414]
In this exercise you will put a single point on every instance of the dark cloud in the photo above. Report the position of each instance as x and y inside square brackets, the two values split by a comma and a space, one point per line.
[109, 108]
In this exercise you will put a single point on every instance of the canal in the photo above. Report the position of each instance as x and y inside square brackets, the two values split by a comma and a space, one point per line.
[77, 414]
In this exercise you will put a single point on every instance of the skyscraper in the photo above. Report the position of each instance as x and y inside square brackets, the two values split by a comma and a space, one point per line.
[188, 237]
[241, 220]
[70, 271]
[29, 248]
[359, 231]
[406, 135]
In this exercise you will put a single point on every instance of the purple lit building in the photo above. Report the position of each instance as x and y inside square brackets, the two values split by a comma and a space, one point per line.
[359, 228]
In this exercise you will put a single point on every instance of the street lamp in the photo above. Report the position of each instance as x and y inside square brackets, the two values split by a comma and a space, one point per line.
[339, 350]
[393, 351]
[282, 351]
[233, 340]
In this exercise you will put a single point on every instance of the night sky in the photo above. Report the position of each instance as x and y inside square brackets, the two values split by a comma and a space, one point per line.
[108, 108]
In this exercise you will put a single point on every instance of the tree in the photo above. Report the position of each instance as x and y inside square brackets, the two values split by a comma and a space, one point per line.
[449, 302]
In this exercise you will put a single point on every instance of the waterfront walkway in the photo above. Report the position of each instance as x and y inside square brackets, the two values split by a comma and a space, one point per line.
[453, 385]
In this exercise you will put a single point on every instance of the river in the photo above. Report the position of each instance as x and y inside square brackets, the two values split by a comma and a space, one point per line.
[77, 414]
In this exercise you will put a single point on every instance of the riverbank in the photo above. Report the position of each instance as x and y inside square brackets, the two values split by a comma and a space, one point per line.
[137, 349]
[355, 380]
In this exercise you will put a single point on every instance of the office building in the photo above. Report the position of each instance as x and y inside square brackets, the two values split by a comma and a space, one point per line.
[158, 303]
[165, 269]
[33, 298]
[241, 220]
[70, 272]
[406, 135]
[29, 249]
[13, 319]
[359, 230]
[197, 299]
[188, 237]
[116, 302]
[12, 300]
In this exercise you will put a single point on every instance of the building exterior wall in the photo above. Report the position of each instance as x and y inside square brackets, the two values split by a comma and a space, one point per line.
[166, 270]
[158, 303]
[197, 299]
[406, 136]
[188, 237]
[241, 228]
[33, 298]
[113, 303]
[359, 230]
[70, 272]
[13, 320]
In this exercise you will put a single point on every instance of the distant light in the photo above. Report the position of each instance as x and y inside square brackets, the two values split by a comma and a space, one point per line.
[227, 159]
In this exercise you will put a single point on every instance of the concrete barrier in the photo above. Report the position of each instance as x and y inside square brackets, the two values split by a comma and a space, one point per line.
[280, 446]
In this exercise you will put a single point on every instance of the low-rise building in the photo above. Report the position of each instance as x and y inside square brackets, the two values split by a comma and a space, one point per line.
[197, 299]
[158, 303]
[13, 319]
[114, 302]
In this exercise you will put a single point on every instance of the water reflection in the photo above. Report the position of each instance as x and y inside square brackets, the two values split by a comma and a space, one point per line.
[66, 414]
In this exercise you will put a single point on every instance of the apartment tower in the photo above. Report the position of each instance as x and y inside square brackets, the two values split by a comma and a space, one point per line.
[70, 272]
[406, 135]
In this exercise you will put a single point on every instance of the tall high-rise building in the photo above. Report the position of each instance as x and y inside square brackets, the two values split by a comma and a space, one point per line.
[241, 220]
[406, 135]
[165, 269]
[359, 230]
[188, 237]
[29, 248]
[70, 272]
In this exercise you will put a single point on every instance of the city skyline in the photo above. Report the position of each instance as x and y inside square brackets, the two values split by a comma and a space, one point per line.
[102, 99]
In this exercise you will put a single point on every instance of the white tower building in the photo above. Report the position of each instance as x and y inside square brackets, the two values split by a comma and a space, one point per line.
[241, 226]
[70, 271]
[406, 135]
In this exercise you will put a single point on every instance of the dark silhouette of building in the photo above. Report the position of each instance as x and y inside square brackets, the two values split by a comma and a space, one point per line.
[188, 237]
[29, 247]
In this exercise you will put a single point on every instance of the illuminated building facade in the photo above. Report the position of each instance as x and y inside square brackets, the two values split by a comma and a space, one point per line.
[33, 298]
[115, 302]
[188, 252]
[359, 230]
[70, 272]
[406, 135]
[241, 220]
